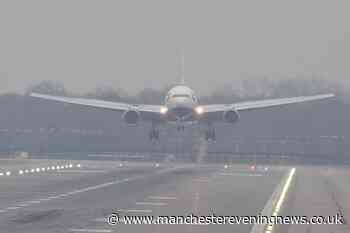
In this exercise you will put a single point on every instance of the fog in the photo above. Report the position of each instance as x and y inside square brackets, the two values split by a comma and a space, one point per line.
[132, 45]
[128, 51]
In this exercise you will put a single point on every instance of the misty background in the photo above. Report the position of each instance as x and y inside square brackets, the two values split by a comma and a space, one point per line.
[130, 51]
[137, 44]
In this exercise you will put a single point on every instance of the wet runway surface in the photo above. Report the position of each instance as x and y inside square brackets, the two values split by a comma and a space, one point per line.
[79, 198]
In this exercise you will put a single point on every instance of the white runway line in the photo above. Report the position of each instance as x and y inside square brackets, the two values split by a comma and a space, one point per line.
[152, 203]
[13, 208]
[105, 220]
[33, 202]
[83, 171]
[278, 197]
[284, 192]
[239, 174]
[23, 204]
[106, 185]
[91, 230]
[201, 180]
[162, 198]
[135, 211]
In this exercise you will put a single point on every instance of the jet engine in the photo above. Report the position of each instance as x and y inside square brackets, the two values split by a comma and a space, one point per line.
[230, 116]
[131, 117]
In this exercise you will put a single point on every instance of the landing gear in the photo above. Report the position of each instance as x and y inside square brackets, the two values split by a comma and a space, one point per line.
[181, 128]
[210, 134]
[154, 135]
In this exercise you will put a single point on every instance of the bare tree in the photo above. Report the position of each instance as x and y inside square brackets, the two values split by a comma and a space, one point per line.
[48, 87]
[106, 93]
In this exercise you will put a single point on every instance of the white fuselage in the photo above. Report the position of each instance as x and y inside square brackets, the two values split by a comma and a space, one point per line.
[181, 103]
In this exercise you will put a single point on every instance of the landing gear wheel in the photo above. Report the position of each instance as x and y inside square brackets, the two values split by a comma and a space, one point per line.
[154, 135]
[210, 135]
[181, 128]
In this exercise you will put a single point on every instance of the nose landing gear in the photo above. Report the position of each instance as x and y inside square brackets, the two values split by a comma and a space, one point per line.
[154, 135]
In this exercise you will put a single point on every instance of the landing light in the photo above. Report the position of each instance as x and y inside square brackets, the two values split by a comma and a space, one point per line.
[199, 110]
[163, 110]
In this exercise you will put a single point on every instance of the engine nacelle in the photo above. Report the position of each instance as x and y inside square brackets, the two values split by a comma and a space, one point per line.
[230, 116]
[131, 117]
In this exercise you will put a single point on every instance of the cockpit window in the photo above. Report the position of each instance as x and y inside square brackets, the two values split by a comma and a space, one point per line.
[181, 95]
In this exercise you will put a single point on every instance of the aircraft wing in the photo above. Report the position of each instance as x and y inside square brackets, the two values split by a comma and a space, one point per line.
[250, 105]
[147, 111]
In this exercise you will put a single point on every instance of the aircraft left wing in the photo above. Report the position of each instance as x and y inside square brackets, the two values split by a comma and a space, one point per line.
[250, 105]
[147, 111]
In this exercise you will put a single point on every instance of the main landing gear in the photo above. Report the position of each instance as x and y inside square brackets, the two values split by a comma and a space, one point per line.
[210, 134]
[154, 135]
[180, 128]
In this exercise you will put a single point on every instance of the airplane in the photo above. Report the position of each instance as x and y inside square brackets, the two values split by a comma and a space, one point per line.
[181, 107]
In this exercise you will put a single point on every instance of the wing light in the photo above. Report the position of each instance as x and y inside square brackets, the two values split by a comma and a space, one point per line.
[163, 110]
[199, 110]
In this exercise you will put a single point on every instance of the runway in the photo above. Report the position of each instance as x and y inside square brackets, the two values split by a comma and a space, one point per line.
[79, 198]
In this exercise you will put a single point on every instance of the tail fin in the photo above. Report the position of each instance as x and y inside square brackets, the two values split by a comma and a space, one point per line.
[182, 71]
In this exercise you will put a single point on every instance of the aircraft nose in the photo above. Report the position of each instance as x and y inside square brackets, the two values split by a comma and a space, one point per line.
[182, 100]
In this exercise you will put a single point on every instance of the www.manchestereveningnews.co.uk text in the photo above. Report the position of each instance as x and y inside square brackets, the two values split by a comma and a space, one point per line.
[192, 219]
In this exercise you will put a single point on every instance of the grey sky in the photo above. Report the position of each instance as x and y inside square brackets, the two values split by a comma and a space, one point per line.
[132, 44]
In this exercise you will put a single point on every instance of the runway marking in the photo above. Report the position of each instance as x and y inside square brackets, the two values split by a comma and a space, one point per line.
[33, 202]
[135, 211]
[284, 192]
[13, 208]
[105, 220]
[23, 204]
[83, 171]
[90, 188]
[274, 204]
[152, 203]
[201, 180]
[162, 198]
[3, 211]
[91, 230]
[239, 174]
